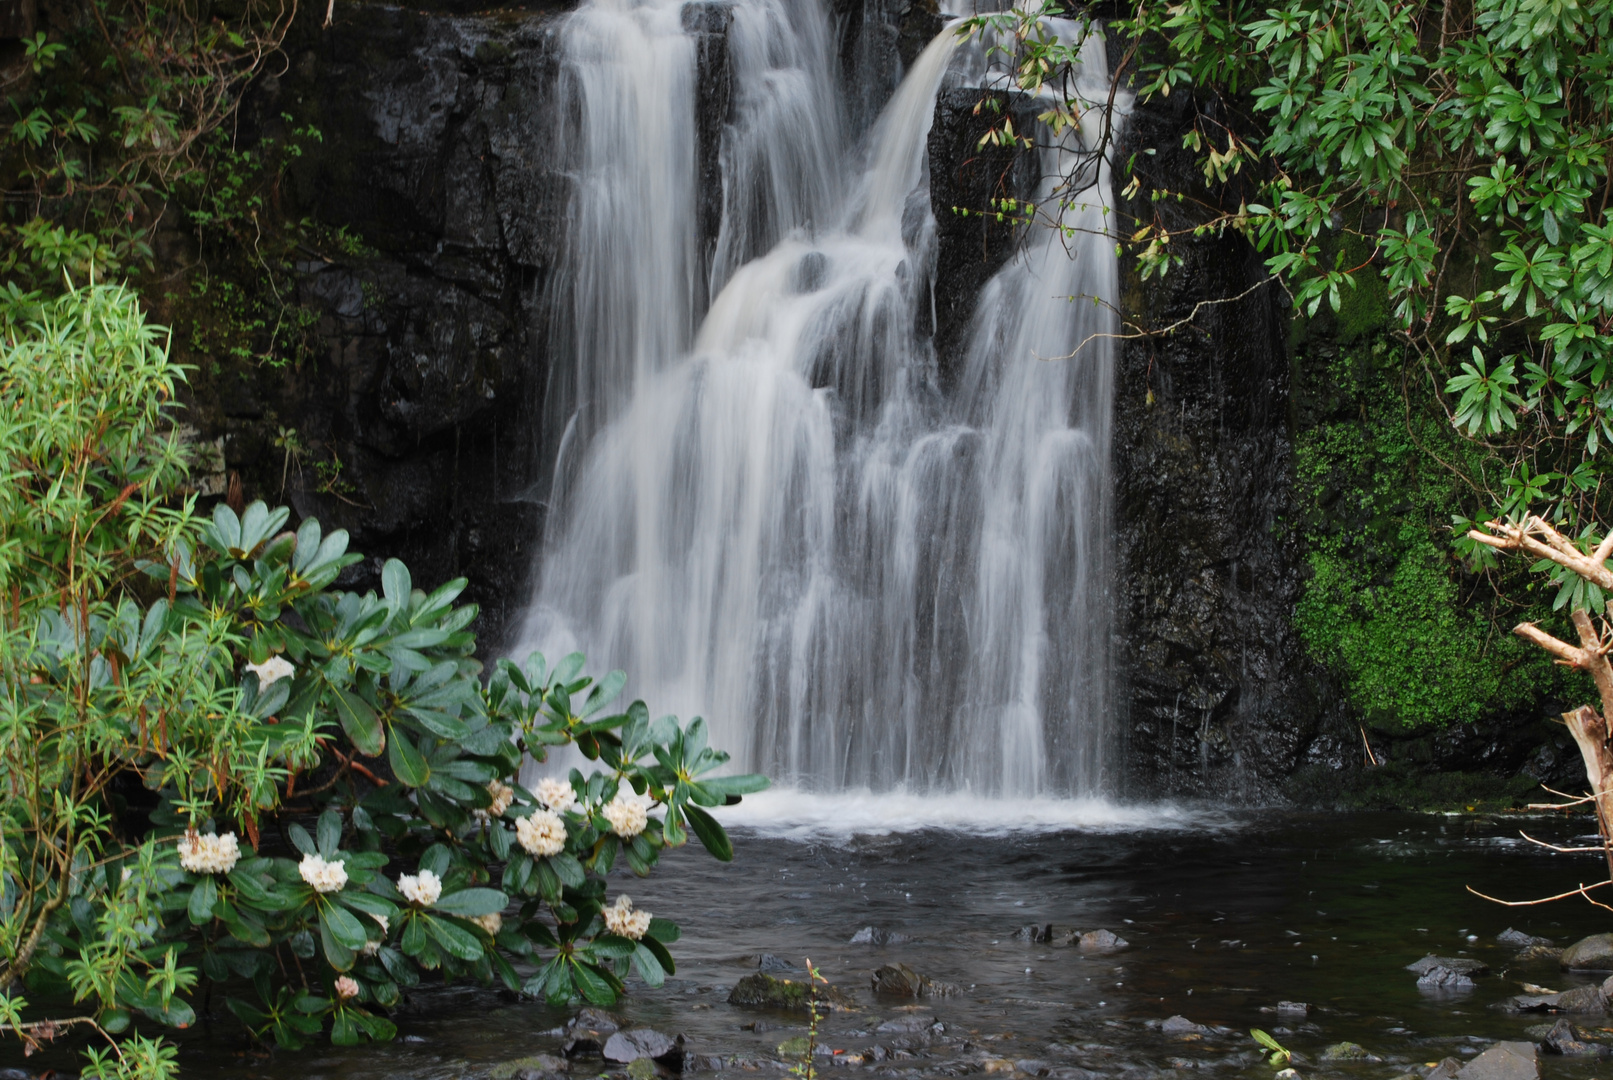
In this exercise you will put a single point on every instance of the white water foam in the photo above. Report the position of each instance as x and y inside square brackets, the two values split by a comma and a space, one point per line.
[792, 814]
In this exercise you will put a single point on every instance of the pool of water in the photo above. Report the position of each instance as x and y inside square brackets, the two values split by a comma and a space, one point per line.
[1226, 914]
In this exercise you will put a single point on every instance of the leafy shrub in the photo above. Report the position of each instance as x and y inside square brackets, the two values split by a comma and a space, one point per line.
[176, 690]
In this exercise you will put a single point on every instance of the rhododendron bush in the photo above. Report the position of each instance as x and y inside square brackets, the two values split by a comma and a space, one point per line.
[223, 776]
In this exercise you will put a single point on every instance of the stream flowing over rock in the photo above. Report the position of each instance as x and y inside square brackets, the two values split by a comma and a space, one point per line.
[650, 343]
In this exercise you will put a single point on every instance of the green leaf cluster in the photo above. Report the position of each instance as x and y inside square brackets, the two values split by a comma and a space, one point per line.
[172, 683]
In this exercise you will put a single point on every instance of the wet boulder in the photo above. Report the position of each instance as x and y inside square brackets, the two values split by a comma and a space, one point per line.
[1444, 1069]
[1594, 953]
[587, 1032]
[1503, 1061]
[1442, 980]
[1584, 1000]
[1036, 935]
[764, 991]
[878, 935]
[635, 1043]
[899, 980]
[1461, 965]
[1096, 941]
[1520, 940]
[1569, 1041]
[1348, 1051]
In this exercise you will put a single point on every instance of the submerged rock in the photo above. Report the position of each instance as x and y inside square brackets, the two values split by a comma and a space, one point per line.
[899, 980]
[769, 962]
[875, 935]
[764, 991]
[1518, 939]
[1444, 1069]
[1181, 1025]
[1528, 1003]
[1594, 953]
[1037, 935]
[1503, 1061]
[1293, 1008]
[1538, 952]
[536, 1067]
[1460, 964]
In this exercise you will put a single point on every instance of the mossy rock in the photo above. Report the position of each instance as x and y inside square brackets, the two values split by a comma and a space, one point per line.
[542, 1063]
[763, 991]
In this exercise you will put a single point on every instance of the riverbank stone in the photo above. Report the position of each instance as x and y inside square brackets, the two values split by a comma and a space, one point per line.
[1462, 965]
[1503, 1061]
[1594, 953]
[764, 991]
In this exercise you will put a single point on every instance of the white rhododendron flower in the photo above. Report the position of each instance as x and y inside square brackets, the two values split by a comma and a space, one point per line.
[620, 918]
[272, 671]
[323, 876]
[557, 795]
[422, 888]
[628, 813]
[346, 987]
[208, 854]
[502, 795]
[541, 832]
[492, 923]
[370, 948]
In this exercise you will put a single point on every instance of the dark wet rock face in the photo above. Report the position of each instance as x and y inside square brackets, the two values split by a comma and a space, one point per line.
[429, 358]
[1217, 696]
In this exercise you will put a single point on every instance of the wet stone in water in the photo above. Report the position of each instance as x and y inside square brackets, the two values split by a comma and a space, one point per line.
[1440, 979]
[875, 935]
[1566, 1039]
[1348, 1051]
[1503, 1061]
[1518, 939]
[1459, 964]
[1594, 953]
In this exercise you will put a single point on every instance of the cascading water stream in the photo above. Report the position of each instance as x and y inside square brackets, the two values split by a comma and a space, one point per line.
[788, 527]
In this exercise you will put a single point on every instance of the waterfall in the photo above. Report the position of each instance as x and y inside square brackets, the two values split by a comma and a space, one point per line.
[779, 520]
